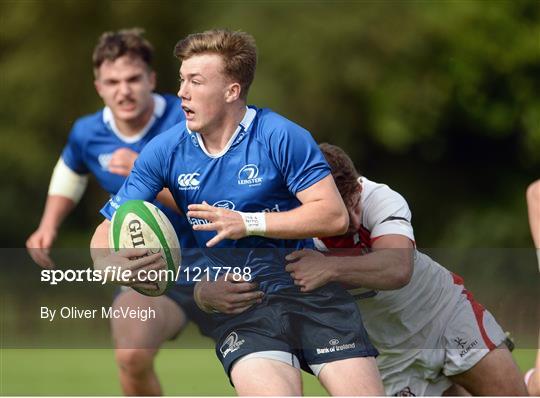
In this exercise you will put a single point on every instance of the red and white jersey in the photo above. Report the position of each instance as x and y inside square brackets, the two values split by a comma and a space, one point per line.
[429, 329]
[394, 316]
[384, 212]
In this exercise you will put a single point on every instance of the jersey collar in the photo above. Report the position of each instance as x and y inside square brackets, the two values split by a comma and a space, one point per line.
[238, 135]
[159, 109]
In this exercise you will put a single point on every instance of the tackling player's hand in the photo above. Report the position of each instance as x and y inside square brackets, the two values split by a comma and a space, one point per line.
[39, 245]
[309, 269]
[116, 264]
[122, 161]
[226, 296]
[227, 223]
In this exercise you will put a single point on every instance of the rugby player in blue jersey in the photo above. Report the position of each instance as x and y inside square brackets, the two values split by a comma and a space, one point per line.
[253, 185]
[106, 144]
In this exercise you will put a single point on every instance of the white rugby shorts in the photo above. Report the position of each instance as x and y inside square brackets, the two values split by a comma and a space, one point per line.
[453, 345]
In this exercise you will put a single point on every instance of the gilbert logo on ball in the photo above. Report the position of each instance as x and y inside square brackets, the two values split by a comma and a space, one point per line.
[139, 224]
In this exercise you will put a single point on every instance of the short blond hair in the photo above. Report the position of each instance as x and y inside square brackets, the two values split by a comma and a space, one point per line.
[237, 49]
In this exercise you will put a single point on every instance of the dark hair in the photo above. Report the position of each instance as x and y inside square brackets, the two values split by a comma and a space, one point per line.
[113, 45]
[237, 49]
[343, 171]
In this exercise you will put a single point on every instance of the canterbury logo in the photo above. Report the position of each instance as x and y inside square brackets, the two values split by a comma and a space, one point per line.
[188, 181]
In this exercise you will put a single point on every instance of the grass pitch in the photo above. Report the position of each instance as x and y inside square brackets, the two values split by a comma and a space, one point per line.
[93, 372]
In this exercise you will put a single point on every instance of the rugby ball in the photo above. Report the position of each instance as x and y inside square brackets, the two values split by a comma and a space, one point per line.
[140, 224]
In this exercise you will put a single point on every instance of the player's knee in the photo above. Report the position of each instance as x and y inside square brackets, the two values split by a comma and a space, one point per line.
[135, 361]
[532, 380]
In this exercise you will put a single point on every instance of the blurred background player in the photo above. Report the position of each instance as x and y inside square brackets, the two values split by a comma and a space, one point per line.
[107, 142]
[532, 377]
[253, 160]
[429, 330]
[106, 145]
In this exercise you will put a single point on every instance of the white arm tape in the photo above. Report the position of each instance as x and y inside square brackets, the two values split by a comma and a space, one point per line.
[65, 182]
[538, 257]
[255, 223]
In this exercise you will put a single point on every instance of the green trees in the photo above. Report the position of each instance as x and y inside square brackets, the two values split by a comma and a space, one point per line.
[438, 99]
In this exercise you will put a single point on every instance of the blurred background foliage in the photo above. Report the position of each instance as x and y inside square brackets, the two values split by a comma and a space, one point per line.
[437, 99]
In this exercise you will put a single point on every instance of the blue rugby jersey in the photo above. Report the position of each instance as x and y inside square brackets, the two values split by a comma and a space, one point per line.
[93, 139]
[267, 161]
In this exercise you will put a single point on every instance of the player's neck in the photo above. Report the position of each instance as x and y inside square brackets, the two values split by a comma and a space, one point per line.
[217, 137]
[133, 127]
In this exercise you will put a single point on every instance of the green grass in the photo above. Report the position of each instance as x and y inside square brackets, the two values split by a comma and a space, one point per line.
[93, 372]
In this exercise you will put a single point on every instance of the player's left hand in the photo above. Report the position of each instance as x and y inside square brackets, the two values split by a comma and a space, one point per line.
[227, 223]
[122, 161]
[310, 269]
[226, 295]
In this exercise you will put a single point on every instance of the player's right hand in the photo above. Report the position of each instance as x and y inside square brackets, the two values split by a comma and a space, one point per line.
[114, 265]
[39, 244]
[226, 296]
[122, 161]
[227, 223]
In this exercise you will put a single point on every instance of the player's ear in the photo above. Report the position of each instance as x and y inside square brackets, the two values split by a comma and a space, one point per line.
[358, 189]
[97, 82]
[233, 92]
[97, 85]
[152, 78]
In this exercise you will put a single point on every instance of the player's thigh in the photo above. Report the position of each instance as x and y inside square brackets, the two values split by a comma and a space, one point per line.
[353, 376]
[495, 374]
[165, 320]
[262, 376]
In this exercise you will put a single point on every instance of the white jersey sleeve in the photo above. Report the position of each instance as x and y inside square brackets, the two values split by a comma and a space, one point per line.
[384, 211]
